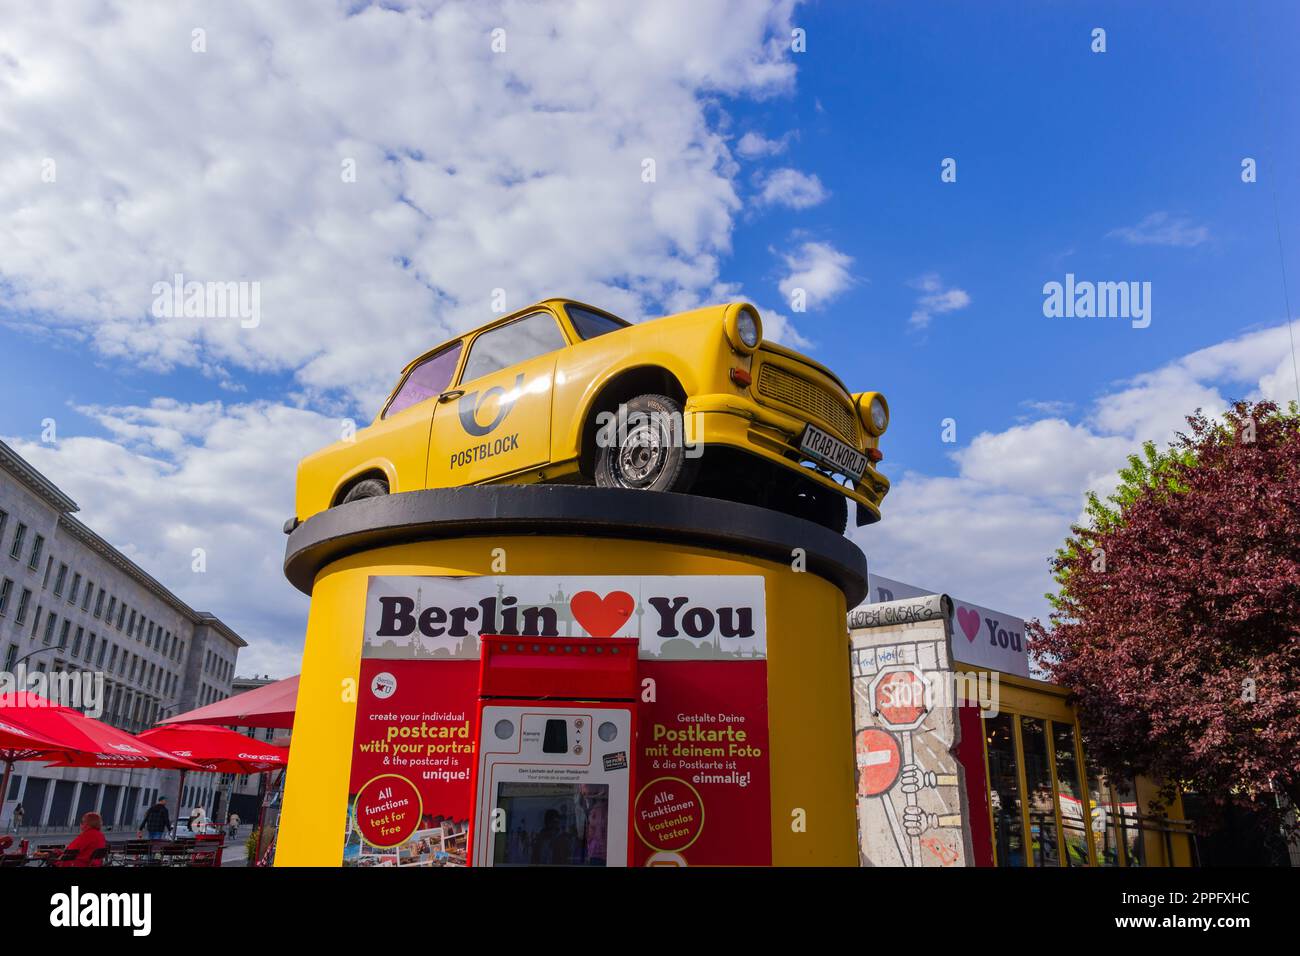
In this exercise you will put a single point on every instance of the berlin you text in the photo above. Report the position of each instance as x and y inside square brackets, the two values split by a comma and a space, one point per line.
[83, 690]
[1102, 300]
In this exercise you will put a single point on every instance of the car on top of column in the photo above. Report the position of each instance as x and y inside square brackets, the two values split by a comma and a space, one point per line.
[564, 392]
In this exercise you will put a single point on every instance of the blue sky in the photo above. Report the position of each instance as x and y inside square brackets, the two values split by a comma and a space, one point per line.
[1115, 166]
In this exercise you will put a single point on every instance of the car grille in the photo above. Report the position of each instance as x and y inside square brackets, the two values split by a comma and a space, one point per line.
[798, 392]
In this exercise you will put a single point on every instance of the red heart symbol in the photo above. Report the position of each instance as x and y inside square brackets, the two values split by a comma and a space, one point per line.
[602, 616]
[969, 619]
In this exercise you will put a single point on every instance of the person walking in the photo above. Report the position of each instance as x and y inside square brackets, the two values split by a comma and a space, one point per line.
[157, 821]
[233, 822]
[16, 818]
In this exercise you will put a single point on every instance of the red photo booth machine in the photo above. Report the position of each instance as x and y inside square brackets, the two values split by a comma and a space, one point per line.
[553, 781]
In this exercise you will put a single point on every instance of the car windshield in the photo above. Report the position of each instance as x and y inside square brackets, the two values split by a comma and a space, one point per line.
[590, 324]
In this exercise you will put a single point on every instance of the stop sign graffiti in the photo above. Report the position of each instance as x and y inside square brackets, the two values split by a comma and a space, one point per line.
[878, 761]
[900, 697]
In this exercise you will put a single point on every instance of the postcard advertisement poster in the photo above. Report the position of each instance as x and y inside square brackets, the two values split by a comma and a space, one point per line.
[702, 766]
[412, 757]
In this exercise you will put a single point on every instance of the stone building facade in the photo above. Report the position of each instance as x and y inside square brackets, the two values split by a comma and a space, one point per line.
[71, 603]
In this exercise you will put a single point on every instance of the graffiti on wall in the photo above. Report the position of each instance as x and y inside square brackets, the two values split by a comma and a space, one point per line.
[910, 788]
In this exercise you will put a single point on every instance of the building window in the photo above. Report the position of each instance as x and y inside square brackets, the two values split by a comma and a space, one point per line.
[19, 533]
[61, 579]
[63, 633]
[121, 615]
[103, 645]
[99, 603]
[23, 601]
[112, 656]
[4, 520]
[50, 620]
[112, 604]
[76, 586]
[38, 545]
[5, 588]
[85, 601]
[90, 647]
[11, 658]
[36, 620]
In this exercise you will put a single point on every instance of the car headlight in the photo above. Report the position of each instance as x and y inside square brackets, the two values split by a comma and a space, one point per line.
[743, 327]
[874, 411]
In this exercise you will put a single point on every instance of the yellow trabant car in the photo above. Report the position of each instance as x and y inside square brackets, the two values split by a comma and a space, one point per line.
[563, 392]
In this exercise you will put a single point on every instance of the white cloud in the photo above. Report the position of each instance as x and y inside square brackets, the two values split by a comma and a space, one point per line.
[935, 299]
[1048, 458]
[474, 170]
[789, 187]
[819, 269]
[755, 146]
[988, 533]
[1161, 229]
[175, 477]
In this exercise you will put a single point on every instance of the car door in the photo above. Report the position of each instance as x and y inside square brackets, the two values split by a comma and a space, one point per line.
[498, 419]
[400, 434]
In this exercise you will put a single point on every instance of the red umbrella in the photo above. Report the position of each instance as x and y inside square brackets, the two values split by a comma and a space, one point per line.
[17, 744]
[84, 741]
[66, 738]
[217, 750]
[271, 705]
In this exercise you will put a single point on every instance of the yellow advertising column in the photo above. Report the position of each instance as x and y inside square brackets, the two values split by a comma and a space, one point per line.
[743, 751]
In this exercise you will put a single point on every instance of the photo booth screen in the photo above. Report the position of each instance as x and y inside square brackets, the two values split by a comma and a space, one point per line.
[553, 824]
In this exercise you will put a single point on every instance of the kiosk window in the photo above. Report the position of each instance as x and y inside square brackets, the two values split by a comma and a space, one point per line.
[1038, 787]
[552, 824]
[1105, 833]
[1075, 814]
[1004, 790]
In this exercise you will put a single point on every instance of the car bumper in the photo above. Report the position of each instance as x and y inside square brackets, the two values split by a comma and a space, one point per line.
[769, 434]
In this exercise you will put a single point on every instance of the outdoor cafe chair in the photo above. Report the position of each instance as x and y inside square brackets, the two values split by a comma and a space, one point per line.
[100, 857]
[174, 854]
[135, 853]
[13, 859]
[45, 852]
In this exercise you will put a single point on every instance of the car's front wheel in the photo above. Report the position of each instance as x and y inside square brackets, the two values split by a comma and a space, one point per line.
[369, 488]
[644, 448]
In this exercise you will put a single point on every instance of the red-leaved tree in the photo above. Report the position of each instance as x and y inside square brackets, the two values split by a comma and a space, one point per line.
[1177, 627]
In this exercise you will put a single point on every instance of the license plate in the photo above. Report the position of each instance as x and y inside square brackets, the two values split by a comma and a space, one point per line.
[832, 452]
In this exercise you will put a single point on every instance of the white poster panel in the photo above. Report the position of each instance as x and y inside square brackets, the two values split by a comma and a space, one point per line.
[685, 617]
[981, 636]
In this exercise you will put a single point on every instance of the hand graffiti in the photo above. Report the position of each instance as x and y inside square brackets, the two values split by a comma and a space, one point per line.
[916, 821]
[913, 778]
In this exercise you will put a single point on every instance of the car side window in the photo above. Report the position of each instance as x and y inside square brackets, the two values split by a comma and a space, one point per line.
[427, 380]
[510, 344]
